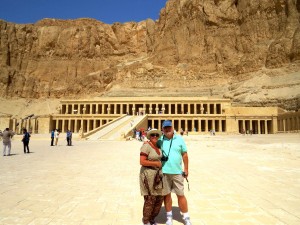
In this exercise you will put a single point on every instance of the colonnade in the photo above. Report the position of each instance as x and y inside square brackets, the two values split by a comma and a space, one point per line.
[141, 108]
[192, 125]
[261, 126]
[289, 122]
[30, 124]
[85, 124]
[190, 114]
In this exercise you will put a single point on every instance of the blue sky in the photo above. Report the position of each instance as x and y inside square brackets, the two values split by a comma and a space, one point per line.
[107, 11]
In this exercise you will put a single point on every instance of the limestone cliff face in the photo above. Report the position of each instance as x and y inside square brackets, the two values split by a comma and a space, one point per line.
[212, 47]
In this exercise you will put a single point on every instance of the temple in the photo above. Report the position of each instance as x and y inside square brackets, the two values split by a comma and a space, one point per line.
[198, 115]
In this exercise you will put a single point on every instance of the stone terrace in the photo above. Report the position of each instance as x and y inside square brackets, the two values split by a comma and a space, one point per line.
[234, 180]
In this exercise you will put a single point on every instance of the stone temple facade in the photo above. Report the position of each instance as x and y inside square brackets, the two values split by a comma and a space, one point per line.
[196, 115]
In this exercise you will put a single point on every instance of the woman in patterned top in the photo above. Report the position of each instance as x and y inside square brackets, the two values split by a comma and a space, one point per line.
[151, 177]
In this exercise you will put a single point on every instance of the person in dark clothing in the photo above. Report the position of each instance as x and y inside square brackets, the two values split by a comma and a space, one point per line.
[25, 140]
[69, 138]
[52, 137]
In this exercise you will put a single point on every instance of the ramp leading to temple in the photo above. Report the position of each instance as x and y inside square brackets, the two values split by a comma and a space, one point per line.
[117, 129]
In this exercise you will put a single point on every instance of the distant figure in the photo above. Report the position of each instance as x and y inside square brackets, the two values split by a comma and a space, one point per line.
[56, 136]
[6, 138]
[137, 135]
[181, 132]
[25, 140]
[69, 138]
[212, 132]
[52, 137]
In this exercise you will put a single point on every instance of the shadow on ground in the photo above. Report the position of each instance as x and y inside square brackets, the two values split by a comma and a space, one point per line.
[161, 217]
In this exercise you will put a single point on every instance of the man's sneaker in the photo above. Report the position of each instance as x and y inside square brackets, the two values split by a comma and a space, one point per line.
[187, 221]
[169, 220]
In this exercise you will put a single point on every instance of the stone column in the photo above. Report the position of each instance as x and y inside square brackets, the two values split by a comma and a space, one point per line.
[199, 126]
[69, 124]
[33, 122]
[56, 124]
[193, 125]
[220, 126]
[201, 109]
[266, 127]
[87, 125]
[163, 108]
[206, 125]
[27, 124]
[14, 125]
[63, 125]
[76, 126]
[215, 109]
[258, 129]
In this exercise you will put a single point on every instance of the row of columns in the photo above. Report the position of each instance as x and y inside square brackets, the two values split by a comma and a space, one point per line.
[195, 125]
[75, 125]
[152, 108]
[250, 126]
[289, 124]
[30, 124]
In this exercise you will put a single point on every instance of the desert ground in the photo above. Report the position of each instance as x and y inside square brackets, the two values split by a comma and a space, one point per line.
[233, 180]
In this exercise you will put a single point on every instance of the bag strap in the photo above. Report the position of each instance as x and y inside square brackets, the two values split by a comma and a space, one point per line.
[169, 147]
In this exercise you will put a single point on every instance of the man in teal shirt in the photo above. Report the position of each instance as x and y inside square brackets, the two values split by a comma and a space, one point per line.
[174, 151]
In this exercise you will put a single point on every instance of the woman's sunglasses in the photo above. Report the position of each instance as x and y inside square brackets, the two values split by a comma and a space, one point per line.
[154, 135]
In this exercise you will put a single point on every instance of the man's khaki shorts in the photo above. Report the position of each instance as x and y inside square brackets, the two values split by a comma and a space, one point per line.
[175, 183]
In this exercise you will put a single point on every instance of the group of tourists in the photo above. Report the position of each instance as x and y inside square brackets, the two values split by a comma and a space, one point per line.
[161, 172]
[55, 136]
[8, 134]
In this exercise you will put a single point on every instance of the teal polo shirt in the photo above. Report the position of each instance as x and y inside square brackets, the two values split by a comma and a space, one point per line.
[178, 147]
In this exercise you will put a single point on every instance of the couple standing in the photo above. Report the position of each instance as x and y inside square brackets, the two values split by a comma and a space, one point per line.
[161, 172]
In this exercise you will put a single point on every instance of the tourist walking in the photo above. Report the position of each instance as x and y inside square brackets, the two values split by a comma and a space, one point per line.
[69, 138]
[25, 140]
[175, 151]
[56, 136]
[6, 139]
[52, 137]
[152, 185]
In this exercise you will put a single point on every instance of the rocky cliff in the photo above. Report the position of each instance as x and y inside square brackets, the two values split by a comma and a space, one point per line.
[247, 50]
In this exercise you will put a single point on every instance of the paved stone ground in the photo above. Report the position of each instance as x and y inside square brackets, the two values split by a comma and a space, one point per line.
[234, 180]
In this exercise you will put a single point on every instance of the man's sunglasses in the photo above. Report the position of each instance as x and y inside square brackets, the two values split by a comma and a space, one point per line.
[154, 135]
